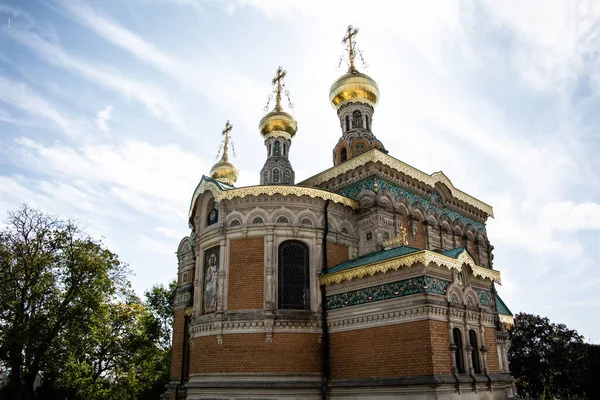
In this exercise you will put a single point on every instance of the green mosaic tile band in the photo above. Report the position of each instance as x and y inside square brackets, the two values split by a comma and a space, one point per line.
[353, 191]
[485, 296]
[388, 291]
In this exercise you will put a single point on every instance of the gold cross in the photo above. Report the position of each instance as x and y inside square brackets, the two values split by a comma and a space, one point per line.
[277, 80]
[226, 131]
[350, 33]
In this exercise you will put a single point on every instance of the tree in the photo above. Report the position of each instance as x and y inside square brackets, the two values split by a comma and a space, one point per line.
[159, 301]
[54, 279]
[546, 359]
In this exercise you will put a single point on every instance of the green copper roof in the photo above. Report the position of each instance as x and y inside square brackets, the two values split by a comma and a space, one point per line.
[372, 258]
[501, 307]
[454, 253]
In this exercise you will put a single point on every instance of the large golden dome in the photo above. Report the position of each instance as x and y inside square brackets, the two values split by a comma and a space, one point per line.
[354, 86]
[224, 171]
[277, 121]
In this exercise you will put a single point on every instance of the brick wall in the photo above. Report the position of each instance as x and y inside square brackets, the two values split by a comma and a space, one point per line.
[492, 354]
[288, 353]
[177, 348]
[440, 354]
[407, 349]
[336, 254]
[419, 240]
[246, 273]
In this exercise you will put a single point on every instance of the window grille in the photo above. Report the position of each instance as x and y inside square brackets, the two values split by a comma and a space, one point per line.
[282, 220]
[306, 221]
[235, 222]
[257, 220]
[293, 288]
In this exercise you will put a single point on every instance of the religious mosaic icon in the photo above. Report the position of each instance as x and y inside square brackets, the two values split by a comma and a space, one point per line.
[213, 214]
[211, 266]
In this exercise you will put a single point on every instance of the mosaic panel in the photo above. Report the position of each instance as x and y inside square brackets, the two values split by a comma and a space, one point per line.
[387, 291]
[485, 296]
[353, 191]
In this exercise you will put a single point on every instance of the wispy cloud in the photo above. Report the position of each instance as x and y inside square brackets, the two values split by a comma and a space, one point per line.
[102, 118]
[19, 95]
[150, 95]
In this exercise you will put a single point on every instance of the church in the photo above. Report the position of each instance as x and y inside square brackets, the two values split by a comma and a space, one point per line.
[371, 279]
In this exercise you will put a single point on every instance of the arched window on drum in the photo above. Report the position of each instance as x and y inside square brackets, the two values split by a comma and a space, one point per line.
[293, 276]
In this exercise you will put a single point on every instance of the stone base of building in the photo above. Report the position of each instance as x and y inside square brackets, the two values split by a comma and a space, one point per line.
[439, 387]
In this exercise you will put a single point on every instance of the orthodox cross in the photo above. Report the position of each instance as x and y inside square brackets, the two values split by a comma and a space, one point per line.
[350, 33]
[226, 131]
[277, 80]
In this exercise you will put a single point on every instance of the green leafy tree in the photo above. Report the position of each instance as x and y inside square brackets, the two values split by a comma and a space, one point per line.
[54, 280]
[546, 359]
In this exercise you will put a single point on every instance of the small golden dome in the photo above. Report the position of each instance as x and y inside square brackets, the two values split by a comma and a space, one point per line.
[224, 171]
[354, 86]
[277, 121]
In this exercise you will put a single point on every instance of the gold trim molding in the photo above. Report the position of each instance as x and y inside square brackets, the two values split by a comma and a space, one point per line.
[375, 155]
[284, 190]
[277, 134]
[423, 257]
[506, 319]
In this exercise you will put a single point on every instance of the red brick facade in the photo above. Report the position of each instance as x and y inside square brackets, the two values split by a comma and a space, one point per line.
[246, 273]
[336, 254]
[288, 353]
[177, 349]
[408, 349]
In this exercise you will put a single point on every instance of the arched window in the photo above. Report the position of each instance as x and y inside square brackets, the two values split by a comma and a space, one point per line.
[357, 119]
[275, 175]
[344, 154]
[460, 361]
[293, 288]
[359, 149]
[475, 351]
[284, 149]
[277, 148]
[347, 123]
[270, 154]
[213, 214]
[367, 121]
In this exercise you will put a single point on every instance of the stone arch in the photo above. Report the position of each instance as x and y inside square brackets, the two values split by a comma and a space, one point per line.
[307, 215]
[257, 213]
[366, 198]
[185, 246]
[385, 199]
[471, 298]
[277, 217]
[454, 290]
[234, 216]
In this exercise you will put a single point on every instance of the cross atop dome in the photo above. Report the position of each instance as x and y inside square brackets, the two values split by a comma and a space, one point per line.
[350, 33]
[223, 170]
[281, 73]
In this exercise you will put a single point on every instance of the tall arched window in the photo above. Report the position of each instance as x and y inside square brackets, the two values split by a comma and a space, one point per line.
[293, 281]
[277, 148]
[367, 121]
[347, 123]
[460, 361]
[475, 351]
[275, 175]
[344, 154]
[284, 149]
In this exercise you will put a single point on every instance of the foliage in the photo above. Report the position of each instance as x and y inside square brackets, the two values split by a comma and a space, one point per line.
[549, 360]
[68, 320]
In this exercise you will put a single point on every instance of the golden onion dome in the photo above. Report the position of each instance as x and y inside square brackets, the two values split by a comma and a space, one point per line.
[354, 86]
[277, 121]
[224, 171]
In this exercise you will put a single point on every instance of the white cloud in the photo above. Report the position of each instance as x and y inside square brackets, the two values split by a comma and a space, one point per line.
[102, 118]
[19, 95]
[150, 95]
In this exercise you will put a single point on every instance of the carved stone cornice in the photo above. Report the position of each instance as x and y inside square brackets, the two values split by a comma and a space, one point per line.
[269, 190]
[255, 326]
[423, 257]
[375, 155]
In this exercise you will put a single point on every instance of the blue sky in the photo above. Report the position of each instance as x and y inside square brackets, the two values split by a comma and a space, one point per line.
[111, 111]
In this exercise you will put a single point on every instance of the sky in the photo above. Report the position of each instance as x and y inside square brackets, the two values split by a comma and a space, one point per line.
[111, 112]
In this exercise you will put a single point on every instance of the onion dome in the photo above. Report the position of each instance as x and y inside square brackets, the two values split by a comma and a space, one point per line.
[354, 86]
[223, 170]
[278, 122]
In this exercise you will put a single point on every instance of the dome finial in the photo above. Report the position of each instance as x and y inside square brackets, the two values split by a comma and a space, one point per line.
[350, 33]
[225, 145]
[277, 81]
[223, 170]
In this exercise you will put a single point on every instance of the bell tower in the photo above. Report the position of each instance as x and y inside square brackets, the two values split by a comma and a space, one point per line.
[277, 128]
[354, 96]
